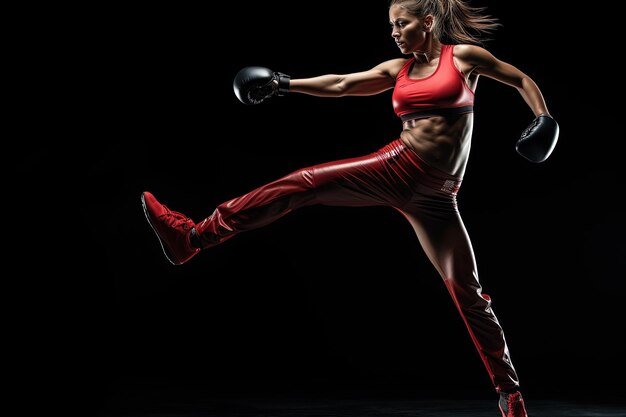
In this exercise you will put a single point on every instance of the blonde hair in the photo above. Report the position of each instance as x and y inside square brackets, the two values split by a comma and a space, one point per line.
[455, 21]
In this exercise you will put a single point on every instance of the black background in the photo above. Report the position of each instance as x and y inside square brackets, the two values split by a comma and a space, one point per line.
[135, 98]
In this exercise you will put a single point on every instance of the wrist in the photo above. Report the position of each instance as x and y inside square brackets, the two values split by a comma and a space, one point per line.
[284, 83]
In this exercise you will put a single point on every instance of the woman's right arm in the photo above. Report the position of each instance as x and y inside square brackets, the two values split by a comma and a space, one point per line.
[365, 83]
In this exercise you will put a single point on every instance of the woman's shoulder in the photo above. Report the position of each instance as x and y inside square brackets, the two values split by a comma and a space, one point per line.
[395, 62]
[468, 51]
[394, 66]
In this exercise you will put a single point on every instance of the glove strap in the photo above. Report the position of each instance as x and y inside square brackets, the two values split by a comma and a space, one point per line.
[283, 83]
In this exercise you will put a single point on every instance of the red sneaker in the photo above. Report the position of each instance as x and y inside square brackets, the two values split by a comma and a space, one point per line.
[512, 405]
[172, 229]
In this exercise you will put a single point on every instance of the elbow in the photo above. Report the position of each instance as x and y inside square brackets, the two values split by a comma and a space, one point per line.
[340, 88]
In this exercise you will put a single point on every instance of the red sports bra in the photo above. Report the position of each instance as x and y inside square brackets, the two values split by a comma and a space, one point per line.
[443, 92]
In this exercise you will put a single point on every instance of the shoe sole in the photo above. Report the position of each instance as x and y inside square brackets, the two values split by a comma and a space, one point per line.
[166, 252]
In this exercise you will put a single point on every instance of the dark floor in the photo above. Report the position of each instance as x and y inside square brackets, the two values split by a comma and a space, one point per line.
[366, 408]
[185, 400]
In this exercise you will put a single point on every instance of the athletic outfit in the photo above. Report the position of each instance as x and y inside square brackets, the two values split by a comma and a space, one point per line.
[394, 176]
[442, 93]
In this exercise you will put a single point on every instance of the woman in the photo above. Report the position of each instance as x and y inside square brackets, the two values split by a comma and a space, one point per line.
[419, 173]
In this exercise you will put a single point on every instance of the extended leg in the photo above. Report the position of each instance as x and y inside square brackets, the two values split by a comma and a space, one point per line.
[368, 180]
[362, 181]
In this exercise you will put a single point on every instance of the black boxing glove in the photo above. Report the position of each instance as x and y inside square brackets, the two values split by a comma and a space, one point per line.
[539, 139]
[253, 85]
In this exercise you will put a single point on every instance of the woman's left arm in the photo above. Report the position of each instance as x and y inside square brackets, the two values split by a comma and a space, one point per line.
[482, 62]
[538, 140]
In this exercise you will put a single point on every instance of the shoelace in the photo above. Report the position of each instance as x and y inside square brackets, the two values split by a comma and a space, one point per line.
[513, 405]
[175, 219]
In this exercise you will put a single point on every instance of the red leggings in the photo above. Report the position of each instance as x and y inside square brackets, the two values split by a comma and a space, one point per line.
[397, 177]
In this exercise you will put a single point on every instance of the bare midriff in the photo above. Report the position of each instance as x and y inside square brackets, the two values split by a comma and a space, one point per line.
[442, 142]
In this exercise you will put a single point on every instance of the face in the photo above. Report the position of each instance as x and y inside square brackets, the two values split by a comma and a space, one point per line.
[407, 30]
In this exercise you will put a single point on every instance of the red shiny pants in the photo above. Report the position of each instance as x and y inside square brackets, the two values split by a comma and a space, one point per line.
[394, 176]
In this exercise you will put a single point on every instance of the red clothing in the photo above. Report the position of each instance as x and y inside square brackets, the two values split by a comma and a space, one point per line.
[394, 176]
[444, 91]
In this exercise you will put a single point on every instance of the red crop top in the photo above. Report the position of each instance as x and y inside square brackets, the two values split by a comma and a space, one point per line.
[443, 92]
